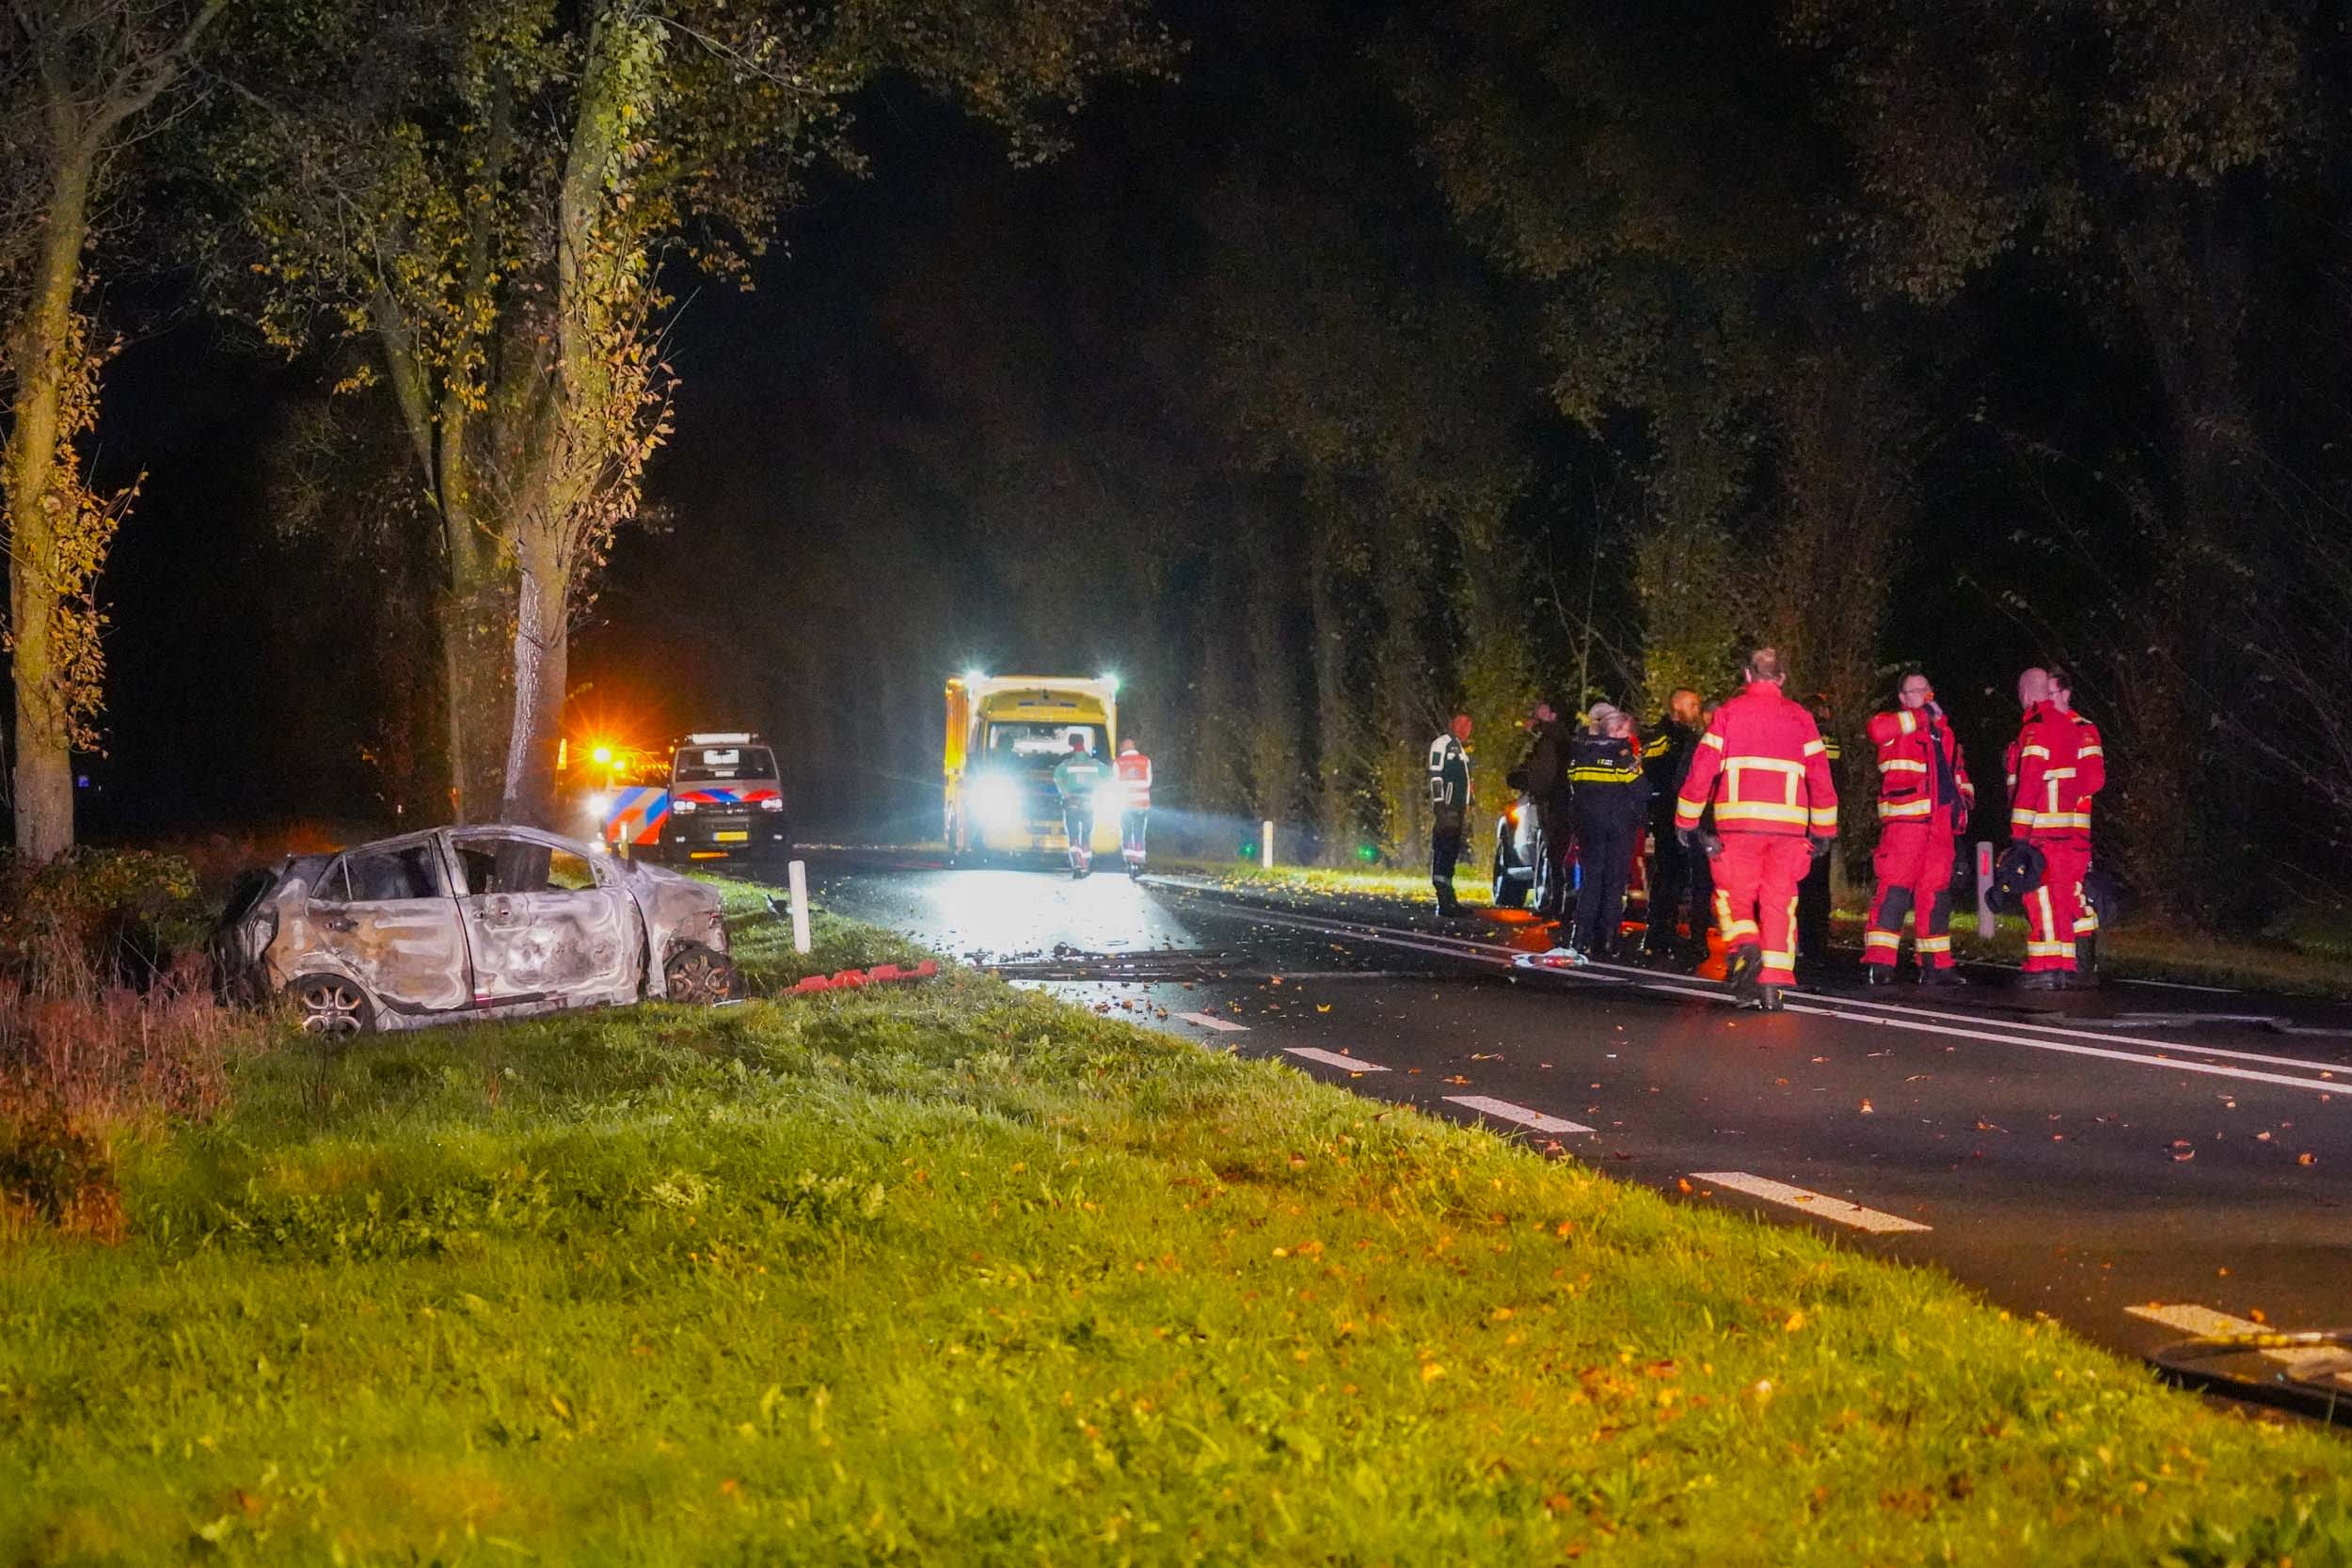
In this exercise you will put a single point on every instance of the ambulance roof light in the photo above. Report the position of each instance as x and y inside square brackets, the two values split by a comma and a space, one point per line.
[974, 675]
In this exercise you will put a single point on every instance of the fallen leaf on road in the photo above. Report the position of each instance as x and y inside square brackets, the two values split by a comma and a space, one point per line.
[1683, 1184]
[2258, 1314]
[2262, 1137]
[1868, 1109]
[1457, 1078]
[1323, 1007]
[2307, 1158]
[1990, 1127]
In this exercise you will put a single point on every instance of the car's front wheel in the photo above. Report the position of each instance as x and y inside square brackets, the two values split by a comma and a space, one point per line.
[332, 1006]
[698, 976]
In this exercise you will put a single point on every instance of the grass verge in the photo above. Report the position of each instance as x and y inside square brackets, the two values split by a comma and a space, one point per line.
[956, 1272]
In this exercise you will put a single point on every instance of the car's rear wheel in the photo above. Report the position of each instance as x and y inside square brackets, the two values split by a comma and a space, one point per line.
[1510, 892]
[332, 1007]
[699, 978]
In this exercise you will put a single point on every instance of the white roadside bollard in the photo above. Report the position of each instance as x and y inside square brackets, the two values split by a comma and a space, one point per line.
[1265, 844]
[796, 874]
[1984, 889]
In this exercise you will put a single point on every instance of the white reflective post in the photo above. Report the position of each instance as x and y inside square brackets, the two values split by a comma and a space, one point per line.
[798, 875]
[1984, 889]
[1265, 844]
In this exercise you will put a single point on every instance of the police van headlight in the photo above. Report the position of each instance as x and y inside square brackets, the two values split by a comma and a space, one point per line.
[996, 802]
[681, 808]
[773, 802]
[597, 805]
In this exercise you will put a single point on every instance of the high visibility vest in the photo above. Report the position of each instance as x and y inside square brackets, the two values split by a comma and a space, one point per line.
[2055, 764]
[1134, 771]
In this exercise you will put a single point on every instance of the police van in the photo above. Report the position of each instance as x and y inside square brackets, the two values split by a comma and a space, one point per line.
[727, 801]
[716, 796]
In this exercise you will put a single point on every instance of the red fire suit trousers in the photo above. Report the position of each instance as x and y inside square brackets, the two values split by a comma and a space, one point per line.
[2055, 911]
[1755, 897]
[1914, 865]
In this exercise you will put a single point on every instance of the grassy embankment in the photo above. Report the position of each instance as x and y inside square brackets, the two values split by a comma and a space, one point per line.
[957, 1274]
[2314, 963]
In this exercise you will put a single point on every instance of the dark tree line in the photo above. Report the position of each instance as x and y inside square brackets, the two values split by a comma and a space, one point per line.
[1396, 359]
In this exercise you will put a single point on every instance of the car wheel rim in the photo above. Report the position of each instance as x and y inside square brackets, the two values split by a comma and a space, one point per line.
[330, 1008]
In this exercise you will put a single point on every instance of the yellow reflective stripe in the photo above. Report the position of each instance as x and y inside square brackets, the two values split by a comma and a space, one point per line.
[1908, 719]
[1889, 940]
[1712, 738]
[1734, 931]
[1935, 944]
[2048, 949]
[1768, 765]
[1655, 747]
[1780, 960]
[1824, 819]
[1596, 774]
[2090, 751]
[1907, 808]
[2023, 816]
[1834, 748]
[1757, 811]
[2058, 774]
[1901, 765]
[1684, 806]
[2042, 752]
[1815, 747]
[2061, 819]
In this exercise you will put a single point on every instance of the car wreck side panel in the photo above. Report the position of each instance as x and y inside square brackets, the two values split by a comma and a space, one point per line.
[554, 949]
[411, 960]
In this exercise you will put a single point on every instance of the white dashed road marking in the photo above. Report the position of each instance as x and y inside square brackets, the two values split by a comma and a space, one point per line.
[1333, 1058]
[2203, 1322]
[1822, 1206]
[1210, 1020]
[1503, 1109]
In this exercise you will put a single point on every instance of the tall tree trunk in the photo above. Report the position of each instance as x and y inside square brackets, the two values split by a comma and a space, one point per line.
[44, 764]
[542, 644]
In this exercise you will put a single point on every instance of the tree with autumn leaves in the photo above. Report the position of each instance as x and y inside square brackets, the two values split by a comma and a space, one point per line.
[490, 194]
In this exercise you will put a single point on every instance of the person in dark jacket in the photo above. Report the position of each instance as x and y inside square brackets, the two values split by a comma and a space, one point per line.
[1612, 804]
[1548, 793]
[1675, 874]
[1813, 899]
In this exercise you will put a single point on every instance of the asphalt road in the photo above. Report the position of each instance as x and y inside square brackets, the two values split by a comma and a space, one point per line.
[2143, 1162]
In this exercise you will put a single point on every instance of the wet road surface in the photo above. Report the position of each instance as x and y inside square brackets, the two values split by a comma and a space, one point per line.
[2143, 1162]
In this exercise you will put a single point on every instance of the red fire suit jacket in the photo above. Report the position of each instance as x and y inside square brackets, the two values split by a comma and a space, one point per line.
[2055, 764]
[1909, 742]
[1766, 754]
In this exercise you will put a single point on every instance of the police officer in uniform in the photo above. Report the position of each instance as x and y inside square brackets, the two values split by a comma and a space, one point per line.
[1612, 802]
[1449, 808]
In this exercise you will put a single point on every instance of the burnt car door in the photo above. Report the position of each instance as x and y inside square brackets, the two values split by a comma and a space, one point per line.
[383, 914]
[548, 926]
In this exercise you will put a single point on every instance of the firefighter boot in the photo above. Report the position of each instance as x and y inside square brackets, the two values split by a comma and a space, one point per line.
[1877, 974]
[1768, 998]
[1746, 962]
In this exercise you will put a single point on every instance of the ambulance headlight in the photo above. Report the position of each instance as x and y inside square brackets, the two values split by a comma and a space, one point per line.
[996, 802]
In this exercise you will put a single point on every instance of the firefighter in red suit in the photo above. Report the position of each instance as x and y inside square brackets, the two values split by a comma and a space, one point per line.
[1924, 800]
[1762, 763]
[2055, 764]
[1134, 805]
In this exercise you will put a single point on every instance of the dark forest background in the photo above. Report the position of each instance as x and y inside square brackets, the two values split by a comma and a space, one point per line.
[1390, 358]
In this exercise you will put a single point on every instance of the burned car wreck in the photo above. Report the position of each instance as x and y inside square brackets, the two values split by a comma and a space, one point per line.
[459, 923]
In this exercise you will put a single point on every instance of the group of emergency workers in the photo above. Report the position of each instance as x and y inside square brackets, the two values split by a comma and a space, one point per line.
[1740, 803]
[1079, 777]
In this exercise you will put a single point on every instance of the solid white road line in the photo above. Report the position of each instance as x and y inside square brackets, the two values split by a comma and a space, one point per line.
[1503, 1109]
[1210, 1020]
[1822, 1206]
[1333, 1058]
[2203, 1322]
[1918, 1019]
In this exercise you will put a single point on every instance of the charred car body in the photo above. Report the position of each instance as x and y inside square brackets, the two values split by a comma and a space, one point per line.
[458, 923]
